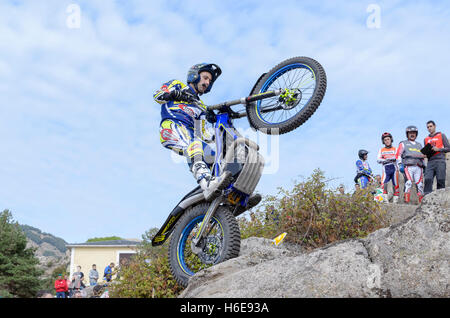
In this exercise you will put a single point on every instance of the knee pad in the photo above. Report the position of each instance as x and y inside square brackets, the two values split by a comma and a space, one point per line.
[408, 185]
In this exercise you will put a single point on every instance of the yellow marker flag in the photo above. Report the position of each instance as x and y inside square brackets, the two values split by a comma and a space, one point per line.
[277, 241]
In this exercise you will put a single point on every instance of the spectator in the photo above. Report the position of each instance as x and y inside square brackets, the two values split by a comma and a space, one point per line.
[341, 189]
[436, 161]
[77, 294]
[97, 291]
[44, 294]
[60, 287]
[363, 170]
[93, 275]
[378, 182]
[77, 279]
[123, 263]
[107, 275]
[71, 286]
[67, 292]
[411, 161]
[387, 158]
[357, 190]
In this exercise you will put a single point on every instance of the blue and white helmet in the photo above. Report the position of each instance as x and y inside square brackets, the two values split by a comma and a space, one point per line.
[193, 75]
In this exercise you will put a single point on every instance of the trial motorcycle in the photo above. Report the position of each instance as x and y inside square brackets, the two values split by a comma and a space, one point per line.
[207, 233]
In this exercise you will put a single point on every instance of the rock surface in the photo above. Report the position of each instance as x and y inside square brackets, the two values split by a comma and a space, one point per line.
[408, 259]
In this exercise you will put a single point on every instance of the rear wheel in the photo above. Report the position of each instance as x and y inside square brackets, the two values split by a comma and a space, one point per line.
[222, 242]
[304, 81]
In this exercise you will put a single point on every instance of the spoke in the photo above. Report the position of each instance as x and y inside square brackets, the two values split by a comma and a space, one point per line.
[298, 78]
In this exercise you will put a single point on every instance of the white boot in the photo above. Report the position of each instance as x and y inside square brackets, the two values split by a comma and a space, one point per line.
[212, 186]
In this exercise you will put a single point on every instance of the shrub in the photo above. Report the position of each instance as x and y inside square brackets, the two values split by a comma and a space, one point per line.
[101, 239]
[311, 214]
[315, 216]
[147, 274]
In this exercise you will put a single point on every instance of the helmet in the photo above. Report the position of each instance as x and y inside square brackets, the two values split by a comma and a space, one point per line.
[411, 129]
[193, 75]
[386, 134]
[362, 153]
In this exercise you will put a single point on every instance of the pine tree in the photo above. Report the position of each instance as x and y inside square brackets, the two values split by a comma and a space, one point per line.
[19, 274]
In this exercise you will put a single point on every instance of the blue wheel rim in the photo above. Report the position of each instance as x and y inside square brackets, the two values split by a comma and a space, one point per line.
[271, 80]
[182, 242]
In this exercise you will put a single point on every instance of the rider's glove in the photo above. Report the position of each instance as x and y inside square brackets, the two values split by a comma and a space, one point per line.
[401, 168]
[177, 95]
[211, 116]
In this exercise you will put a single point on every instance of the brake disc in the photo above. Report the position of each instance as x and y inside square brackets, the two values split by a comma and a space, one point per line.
[290, 98]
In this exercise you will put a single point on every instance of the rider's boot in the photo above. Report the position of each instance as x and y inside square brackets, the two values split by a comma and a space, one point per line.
[420, 196]
[212, 186]
[407, 197]
[396, 195]
[252, 201]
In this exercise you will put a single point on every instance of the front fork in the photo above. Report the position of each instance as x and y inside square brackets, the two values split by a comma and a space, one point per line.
[196, 243]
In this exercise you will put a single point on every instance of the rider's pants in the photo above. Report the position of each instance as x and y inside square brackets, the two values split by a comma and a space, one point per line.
[176, 136]
[414, 174]
[363, 182]
[390, 172]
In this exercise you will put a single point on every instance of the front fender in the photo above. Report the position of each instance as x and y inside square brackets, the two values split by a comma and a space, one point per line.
[194, 197]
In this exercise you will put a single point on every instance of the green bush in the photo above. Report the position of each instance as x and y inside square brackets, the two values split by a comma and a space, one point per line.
[315, 216]
[101, 239]
[147, 274]
[311, 214]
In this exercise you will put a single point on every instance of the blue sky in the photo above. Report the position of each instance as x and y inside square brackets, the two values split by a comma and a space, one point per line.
[80, 153]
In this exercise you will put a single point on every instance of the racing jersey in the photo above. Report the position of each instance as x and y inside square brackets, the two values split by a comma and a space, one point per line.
[386, 156]
[362, 167]
[179, 110]
[186, 114]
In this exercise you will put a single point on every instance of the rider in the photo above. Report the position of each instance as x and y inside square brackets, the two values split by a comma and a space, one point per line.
[182, 127]
[363, 171]
[386, 157]
[411, 161]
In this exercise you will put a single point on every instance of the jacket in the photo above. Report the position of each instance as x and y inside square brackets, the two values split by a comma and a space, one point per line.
[179, 110]
[438, 140]
[93, 275]
[386, 156]
[61, 285]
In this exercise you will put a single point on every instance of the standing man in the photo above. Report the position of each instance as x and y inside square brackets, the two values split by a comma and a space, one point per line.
[77, 279]
[108, 272]
[436, 162]
[411, 161]
[93, 275]
[386, 157]
[60, 287]
[363, 171]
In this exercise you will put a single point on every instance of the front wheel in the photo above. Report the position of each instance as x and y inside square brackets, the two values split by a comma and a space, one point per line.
[304, 83]
[222, 242]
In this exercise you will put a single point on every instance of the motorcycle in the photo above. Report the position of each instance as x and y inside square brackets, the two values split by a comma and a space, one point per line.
[207, 233]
